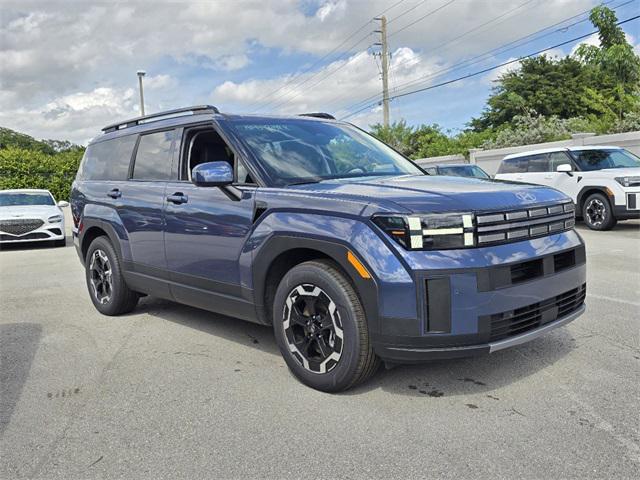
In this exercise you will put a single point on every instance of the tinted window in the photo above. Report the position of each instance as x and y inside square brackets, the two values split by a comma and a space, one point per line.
[108, 160]
[538, 163]
[556, 159]
[514, 165]
[599, 159]
[10, 199]
[153, 157]
[464, 171]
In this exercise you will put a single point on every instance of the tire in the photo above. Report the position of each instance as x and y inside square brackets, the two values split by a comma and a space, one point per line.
[333, 351]
[115, 298]
[597, 212]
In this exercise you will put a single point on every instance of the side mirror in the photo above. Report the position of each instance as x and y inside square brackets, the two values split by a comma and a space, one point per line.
[564, 168]
[63, 204]
[212, 174]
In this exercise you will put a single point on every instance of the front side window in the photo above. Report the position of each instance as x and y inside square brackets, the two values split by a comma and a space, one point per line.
[153, 157]
[108, 160]
[13, 199]
[556, 159]
[304, 151]
[600, 159]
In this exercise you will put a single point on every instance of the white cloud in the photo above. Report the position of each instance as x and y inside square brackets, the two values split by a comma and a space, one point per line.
[69, 53]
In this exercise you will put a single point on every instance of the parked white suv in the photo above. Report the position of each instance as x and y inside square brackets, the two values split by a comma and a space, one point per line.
[604, 182]
[28, 215]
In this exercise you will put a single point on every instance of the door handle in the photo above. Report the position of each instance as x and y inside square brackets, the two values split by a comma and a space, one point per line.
[178, 198]
[115, 193]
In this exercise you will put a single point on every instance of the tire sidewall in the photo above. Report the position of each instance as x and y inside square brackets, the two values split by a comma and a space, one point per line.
[608, 221]
[342, 374]
[109, 308]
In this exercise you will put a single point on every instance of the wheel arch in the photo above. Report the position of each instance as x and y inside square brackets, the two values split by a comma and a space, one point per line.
[281, 253]
[587, 190]
[93, 229]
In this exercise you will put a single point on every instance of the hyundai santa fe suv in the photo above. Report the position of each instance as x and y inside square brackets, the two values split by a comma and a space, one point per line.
[353, 254]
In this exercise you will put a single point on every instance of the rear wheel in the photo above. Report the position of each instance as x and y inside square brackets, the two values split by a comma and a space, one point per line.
[597, 212]
[107, 288]
[321, 328]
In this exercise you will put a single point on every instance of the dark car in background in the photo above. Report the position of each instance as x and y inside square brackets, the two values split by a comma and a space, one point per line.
[457, 170]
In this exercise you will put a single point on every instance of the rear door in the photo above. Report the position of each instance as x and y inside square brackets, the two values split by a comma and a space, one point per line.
[513, 169]
[538, 169]
[141, 208]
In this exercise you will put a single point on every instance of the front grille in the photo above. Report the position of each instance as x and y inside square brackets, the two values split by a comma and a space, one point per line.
[521, 320]
[20, 226]
[517, 225]
[28, 236]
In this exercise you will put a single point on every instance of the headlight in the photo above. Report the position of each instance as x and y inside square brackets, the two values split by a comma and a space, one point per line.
[430, 231]
[628, 181]
[55, 219]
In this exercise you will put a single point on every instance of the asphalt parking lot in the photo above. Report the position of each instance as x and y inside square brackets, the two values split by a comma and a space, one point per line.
[170, 391]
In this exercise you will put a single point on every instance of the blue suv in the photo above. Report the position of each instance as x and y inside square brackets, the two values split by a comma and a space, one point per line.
[353, 254]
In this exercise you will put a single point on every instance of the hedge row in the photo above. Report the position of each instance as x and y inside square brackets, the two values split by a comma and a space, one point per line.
[22, 168]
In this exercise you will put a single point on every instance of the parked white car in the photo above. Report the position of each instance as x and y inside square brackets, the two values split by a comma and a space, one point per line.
[28, 215]
[604, 182]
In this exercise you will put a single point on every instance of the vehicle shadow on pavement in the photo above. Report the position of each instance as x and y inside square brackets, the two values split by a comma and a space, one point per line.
[18, 345]
[441, 378]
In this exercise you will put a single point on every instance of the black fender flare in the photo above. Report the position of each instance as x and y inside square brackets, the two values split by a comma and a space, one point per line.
[588, 188]
[88, 224]
[366, 288]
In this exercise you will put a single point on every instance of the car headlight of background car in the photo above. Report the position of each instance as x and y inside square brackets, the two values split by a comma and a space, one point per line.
[628, 181]
[438, 231]
[55, 219]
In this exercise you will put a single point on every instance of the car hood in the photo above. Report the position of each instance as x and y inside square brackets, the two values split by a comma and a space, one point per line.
[423, 193]
[29, 211]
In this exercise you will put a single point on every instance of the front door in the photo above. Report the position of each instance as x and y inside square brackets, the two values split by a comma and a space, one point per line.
[205, 232]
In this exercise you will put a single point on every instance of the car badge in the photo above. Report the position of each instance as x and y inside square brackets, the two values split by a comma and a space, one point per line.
[526, 196]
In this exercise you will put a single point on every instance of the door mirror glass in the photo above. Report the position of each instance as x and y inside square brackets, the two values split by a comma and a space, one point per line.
[564, 168]
[212, 174]
[63, 204]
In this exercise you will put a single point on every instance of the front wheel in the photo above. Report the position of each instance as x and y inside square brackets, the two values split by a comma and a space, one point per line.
[598, 213]
[321, 328]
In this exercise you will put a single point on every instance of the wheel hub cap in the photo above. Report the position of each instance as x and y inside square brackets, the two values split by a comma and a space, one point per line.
[100, 276]
[313, 329]
[596, 212]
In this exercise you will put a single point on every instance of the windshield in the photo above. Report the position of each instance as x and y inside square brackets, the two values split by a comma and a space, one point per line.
[304, 151]
[15, 199]
[600, 159]
[463, 171]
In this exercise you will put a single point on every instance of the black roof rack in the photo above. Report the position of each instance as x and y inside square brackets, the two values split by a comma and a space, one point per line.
[328, 116]
[197, 109]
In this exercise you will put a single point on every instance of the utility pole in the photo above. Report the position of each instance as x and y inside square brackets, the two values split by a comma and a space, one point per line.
[385, 68]
[141, 73]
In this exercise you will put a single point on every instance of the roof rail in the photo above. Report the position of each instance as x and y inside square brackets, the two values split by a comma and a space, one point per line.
[132, 122]
[328, 116]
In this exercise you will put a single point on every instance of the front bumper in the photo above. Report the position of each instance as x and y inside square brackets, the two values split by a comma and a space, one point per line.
[523, 291]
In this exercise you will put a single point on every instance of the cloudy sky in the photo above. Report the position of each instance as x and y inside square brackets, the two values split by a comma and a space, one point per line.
[67, 68]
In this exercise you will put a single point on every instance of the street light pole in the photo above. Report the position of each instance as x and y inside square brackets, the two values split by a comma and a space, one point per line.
[141, 73]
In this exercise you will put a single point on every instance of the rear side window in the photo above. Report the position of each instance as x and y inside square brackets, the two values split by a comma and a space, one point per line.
[153, 156]
[538, 163]
[108, 160]
[514, 165]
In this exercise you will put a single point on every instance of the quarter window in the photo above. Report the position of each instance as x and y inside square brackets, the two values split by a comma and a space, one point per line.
[153, 157]
[107, 160]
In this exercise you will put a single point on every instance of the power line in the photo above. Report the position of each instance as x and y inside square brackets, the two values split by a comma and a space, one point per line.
[320, 60]
[407, 11]
[480, 72]
[496, 50]
[428, 14]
